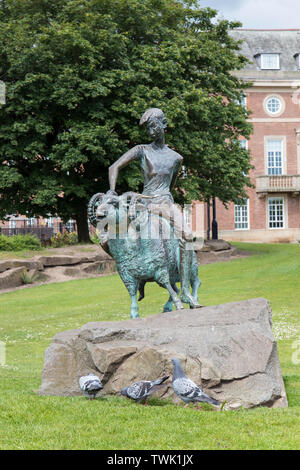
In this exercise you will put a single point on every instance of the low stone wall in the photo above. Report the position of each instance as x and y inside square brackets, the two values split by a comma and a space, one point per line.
[41, 267]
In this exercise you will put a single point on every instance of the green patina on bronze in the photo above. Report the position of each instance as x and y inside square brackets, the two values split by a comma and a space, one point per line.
[145, 233]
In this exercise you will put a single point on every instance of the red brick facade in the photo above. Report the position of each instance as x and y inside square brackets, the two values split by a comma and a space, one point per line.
[273, 213]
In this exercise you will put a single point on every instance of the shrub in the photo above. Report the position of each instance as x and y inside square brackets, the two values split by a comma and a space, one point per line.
[95, 238]
[19, 242]
[29, 279]
[64, 239]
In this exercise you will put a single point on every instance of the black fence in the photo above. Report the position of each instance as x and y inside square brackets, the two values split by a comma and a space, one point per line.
[43, 232]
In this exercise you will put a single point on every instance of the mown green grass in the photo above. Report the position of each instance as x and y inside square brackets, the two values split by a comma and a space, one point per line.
[29, 318]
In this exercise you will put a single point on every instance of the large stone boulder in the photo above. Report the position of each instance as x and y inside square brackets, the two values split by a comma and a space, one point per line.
[228, 349]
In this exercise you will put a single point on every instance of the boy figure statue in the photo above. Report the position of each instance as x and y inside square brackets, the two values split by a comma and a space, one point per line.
[160, 166]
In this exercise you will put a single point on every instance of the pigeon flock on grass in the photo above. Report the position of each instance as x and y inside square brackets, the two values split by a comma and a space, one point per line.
[90, 385]
[182, 385]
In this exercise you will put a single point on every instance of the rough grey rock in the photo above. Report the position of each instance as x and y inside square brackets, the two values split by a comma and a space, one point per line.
[66, 260]
[98, 267]
[217, 245]
[17, 263]
[100, 256]
[58, 260]
[72, 271]
[229, 350]
[11, 278]
[206, 257]
[104, 267]
[92, 267]
[4, 265]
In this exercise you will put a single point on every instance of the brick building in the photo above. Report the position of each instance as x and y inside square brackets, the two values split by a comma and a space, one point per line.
[272, 211]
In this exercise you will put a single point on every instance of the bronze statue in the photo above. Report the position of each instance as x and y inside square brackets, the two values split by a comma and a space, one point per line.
[160, 166]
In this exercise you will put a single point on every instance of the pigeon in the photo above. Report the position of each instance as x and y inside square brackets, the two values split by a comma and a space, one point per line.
[90, 385]
[186, 389]
[140, 391]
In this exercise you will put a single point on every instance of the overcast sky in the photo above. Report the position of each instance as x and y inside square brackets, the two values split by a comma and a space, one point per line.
[262, 14]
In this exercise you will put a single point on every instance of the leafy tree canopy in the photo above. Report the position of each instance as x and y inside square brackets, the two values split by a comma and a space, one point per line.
[80, 73]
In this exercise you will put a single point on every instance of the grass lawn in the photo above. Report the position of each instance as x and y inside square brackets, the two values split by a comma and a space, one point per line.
[29, 318]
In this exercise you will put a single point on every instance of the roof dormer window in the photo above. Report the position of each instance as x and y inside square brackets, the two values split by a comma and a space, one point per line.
[270, 61]
[297, 58]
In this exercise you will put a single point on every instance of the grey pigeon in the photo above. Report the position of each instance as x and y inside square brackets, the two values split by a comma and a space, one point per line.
[90, 385]
[140, 391]
[186, 389]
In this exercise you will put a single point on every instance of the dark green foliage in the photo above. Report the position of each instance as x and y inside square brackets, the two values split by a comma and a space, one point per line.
[19, 242]
[80, 73]
[95, 239]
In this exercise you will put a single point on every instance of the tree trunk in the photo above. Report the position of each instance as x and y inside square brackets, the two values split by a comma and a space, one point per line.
[82, 225]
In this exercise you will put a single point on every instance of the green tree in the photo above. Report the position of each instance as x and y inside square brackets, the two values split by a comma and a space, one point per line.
[79, 74]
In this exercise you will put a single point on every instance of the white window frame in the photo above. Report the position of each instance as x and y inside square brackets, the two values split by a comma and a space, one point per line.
[50, 222]
[70, 224]
[273, 198]
[12, 223]
[244, 146]
[264, 58]
[267, 140]
[244, 101]
[282, 105]
[274, 155]
[240, 208]
[184, 171]
[187, 214]
[30, 222]
[271, 102]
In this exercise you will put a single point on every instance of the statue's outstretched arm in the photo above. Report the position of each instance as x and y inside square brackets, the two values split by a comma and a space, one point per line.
[126, 158]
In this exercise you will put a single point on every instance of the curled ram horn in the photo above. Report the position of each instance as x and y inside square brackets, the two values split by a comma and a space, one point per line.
[127, 197]
[136, 205]
[92, 208]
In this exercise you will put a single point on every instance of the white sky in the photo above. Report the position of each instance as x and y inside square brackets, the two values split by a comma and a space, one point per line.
[261, 14]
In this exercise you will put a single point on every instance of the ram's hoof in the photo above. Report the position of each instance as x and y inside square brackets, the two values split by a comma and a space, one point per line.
[134, 315]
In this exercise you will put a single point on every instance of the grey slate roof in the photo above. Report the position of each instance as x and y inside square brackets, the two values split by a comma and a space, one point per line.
[285, 42]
